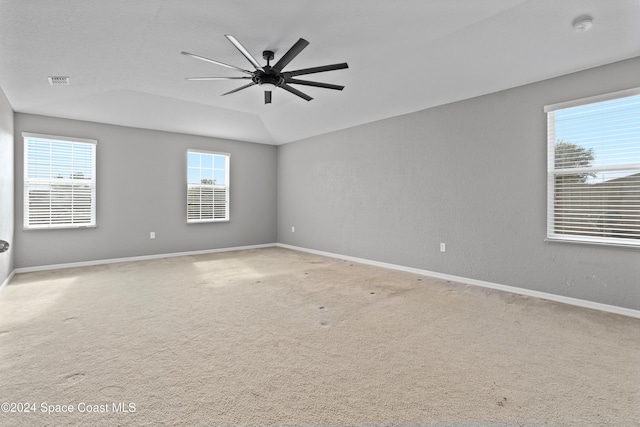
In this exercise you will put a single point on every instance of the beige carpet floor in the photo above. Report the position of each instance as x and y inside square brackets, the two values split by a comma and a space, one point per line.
[278, 337]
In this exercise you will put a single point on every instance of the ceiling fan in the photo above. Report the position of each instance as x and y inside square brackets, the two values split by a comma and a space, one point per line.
[270, 77]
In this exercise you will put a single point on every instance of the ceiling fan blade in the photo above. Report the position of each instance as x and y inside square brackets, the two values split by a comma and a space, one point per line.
[291, 53]
[267, 97]
[215, 62]
[316, 84]
[312, 70]
[243, 51]
[218, 78]
[239, 89]
[295, 92]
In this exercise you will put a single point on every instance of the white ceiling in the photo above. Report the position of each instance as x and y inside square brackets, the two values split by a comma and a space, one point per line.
[124, 61]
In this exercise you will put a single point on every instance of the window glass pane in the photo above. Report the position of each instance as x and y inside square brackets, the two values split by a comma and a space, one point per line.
[193, 159]
[193, 176]
[207, 161]
[219, 162]
[206, 176]
[219, 177]
[82, 161]
[599, 134]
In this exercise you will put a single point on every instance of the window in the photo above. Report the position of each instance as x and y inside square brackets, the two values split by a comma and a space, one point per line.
[594, 170]
[59, 182]
[207, 186]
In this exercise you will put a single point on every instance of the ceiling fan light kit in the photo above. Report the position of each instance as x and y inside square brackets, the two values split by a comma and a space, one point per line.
[270, 77]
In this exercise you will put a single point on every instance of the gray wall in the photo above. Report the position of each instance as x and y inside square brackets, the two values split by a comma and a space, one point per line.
[141, 187]
[471, 174]
[6, 185]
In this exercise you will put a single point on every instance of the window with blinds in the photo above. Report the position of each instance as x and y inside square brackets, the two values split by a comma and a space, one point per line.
[207, 186]
[594, 170]
[59, 182]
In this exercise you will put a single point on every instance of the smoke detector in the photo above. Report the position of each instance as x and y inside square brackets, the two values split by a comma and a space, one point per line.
[58, 80]
[582, 23]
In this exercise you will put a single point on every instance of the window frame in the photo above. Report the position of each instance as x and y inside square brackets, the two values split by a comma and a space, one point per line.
[28, 182]
[213, 187]
[552, 172]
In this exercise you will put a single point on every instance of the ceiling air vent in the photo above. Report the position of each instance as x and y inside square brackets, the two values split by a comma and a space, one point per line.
[58, 80]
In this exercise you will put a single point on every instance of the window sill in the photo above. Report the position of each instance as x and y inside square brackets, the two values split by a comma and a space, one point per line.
[60, 228]
[552, 240]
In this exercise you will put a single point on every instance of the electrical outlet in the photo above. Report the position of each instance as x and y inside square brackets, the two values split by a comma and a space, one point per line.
[152, 235]
[443, 247]
[293, 229]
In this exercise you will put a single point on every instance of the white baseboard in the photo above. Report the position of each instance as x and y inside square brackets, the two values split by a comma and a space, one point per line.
[7, 280]
[136, 258]
[520, 291]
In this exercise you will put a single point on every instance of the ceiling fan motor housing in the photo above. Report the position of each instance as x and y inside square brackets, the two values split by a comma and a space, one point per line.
[267, 76]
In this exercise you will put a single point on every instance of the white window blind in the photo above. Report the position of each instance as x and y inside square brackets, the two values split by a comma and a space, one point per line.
[594, 170]
[207, 186]
[59, 182]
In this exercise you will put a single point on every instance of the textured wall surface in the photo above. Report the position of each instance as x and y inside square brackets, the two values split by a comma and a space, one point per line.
[141, 187]
[6, 185]
[471, 174]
